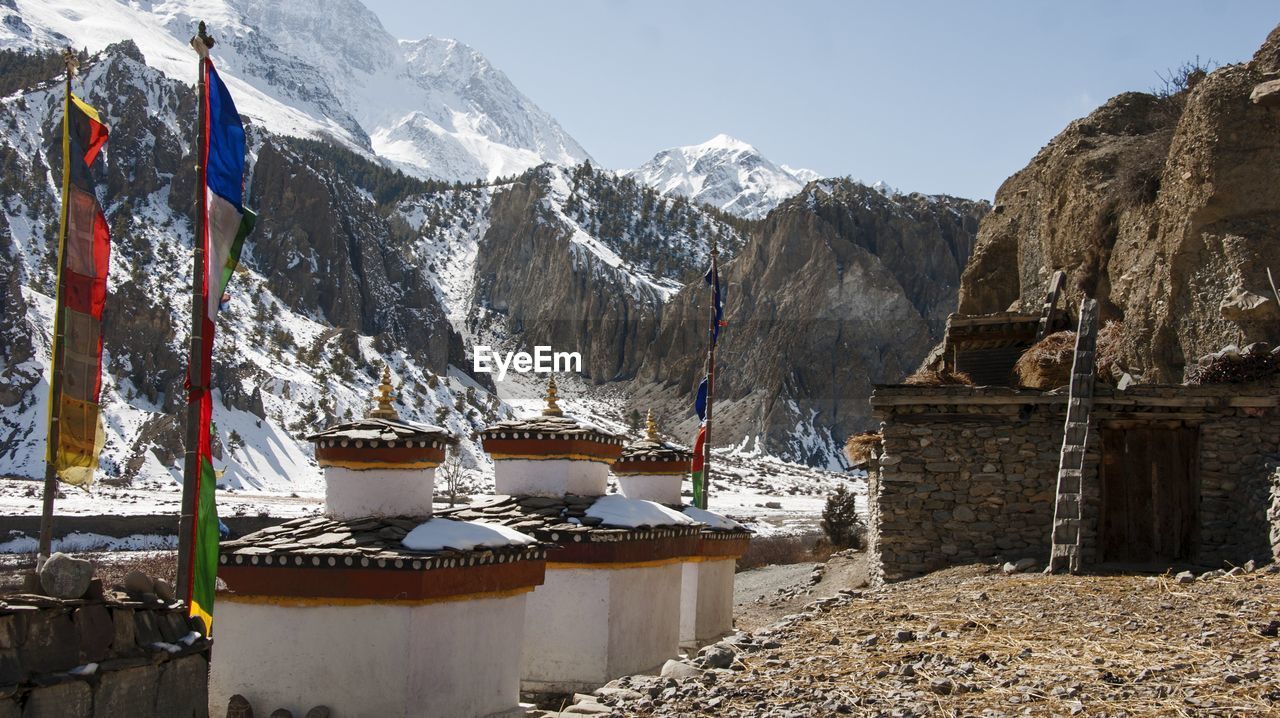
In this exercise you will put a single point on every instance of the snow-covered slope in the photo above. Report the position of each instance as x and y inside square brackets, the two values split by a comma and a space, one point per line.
[328, 70]
[726, 173]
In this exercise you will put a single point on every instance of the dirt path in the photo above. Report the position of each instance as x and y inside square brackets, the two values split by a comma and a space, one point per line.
[764, 595]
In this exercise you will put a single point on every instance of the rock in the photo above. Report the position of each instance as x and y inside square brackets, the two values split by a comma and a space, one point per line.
[1234, 571]
[773, 504]
[65, 577]
[318, 712]
[586, 708]
[136, 583]
[1217, 145]
[1266, 94]
[718, 655]
[1242, 305]
[622, 694]
[904, 636]
[1019, 566]
[677, 669]
[238, 707]
[1210, 575]
[164, 590]
[67, 700]
[281, 713]
[1184, 578]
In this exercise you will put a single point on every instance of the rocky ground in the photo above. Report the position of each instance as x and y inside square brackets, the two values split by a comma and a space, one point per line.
[974, 641]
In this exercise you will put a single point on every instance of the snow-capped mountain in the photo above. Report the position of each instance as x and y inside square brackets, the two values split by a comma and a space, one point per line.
[726, 173]
[328, 70]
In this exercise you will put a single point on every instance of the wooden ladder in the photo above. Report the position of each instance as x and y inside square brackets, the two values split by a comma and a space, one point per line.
[1067, 515]
[1048, 312]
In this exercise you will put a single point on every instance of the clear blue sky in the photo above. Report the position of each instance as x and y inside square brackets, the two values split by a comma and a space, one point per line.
[928, 96]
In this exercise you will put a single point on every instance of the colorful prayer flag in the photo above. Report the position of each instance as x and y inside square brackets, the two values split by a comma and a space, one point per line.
[84, 249]
[226, 224]
[699, 457]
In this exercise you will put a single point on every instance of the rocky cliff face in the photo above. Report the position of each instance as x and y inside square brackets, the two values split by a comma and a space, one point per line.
[837, 289]
[581, 260]
[1165, 209]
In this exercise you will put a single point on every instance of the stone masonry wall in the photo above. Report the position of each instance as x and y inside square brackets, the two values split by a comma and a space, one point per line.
[1236, 487]
[99, 659]
[961, 484]
[968, 474]
[1273, 514]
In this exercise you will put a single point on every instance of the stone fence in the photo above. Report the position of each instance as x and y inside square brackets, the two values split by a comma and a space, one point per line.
[89, 658]
[969, 474]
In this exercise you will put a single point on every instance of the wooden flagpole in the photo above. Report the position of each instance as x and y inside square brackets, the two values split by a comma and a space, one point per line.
[711, 373]
[59, 336]
[195, 361]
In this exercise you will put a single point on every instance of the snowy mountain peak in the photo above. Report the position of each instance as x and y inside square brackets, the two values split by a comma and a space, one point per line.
[724, 172]
[725, 142]
[434, 107]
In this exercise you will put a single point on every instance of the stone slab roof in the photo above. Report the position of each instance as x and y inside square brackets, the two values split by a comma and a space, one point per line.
[321, 541]
[654, 450]
[563, 519]
[548, 427]
[368, 429]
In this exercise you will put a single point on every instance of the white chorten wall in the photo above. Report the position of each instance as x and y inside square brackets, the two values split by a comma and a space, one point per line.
[588, 626]
[550, 477]
[451, 659]
[706, 600]
[662, 488]
[351, 493]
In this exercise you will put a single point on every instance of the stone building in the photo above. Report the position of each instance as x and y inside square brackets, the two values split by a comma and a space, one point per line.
[610, 605]
[1173, 474]
[653, 470]
[375, 608]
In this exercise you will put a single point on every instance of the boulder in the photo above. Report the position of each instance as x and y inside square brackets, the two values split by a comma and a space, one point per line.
[718, 655]
[137, 582]
[676, 669]
[66, 577]
[1266, 94]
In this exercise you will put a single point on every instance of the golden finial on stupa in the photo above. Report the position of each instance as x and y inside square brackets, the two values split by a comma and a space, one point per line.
[650, 427]
[553, 409]
[384, 397]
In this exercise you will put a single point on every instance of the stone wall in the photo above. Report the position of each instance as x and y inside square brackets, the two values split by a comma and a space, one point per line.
[1273, 515]
[98, 659]
[968, 474]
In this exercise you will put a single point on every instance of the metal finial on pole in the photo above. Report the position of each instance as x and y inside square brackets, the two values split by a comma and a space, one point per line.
[71, 62]
[553, 409]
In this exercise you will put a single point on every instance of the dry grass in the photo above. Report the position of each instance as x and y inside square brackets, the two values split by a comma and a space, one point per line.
[861, 448]
[779, 550]
[982, 644]
[1047, 364]
[1112, 347]
[1244, 368]
[944, 377]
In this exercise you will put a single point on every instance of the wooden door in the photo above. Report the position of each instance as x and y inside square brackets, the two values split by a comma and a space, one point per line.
[1149, 493]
